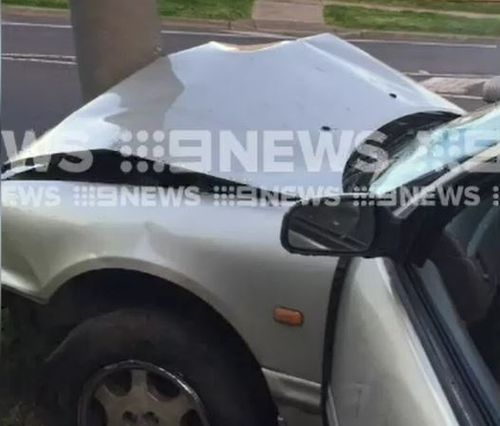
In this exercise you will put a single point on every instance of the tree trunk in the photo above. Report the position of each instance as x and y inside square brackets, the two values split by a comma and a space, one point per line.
[113, 39]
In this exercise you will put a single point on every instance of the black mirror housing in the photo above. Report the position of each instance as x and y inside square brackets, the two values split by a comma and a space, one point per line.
[348, 225]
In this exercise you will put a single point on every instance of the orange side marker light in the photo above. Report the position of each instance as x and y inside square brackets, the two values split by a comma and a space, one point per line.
[290, 317]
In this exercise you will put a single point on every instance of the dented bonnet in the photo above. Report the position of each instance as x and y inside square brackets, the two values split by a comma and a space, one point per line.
[271, 99]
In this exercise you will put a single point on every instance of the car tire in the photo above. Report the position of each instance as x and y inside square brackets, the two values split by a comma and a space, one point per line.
[228, 392]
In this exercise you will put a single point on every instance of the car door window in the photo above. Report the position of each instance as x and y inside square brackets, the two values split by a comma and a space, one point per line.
[467, 259]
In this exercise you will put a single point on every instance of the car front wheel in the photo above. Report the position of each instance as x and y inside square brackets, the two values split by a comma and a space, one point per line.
[141, 367]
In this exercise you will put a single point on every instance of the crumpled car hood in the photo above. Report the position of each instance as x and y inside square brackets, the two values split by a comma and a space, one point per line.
[310, 84]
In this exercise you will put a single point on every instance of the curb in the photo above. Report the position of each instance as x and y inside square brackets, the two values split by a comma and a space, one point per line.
[250, 25]
[27, 11]
[10, 12]
[32, 14]
[58, 15]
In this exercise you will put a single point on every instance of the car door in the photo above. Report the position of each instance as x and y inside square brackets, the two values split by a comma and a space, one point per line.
[404, 344]
[380, 372]
[406, 349]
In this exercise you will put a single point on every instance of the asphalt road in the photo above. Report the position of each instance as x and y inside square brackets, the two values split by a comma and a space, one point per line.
[40, 81]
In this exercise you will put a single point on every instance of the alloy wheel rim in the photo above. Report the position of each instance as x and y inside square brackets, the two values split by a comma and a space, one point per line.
[135, 393]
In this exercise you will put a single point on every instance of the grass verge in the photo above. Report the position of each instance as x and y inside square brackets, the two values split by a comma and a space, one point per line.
[475, 6]
[363, 18]
[202, 9]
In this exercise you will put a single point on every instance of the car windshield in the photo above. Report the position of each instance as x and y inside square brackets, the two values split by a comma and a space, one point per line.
[433, 152]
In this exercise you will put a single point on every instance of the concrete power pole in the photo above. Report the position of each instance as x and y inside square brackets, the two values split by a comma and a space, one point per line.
[113, 39]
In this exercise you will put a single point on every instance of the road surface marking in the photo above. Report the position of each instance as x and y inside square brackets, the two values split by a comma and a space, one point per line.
[34, 25]
[452, 86]
[246, 34]
[428, 74]
[40, 61]
[464, 97]
[39, 55]
[423, 43]
[228, 34]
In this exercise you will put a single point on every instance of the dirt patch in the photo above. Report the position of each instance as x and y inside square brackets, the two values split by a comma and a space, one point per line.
[19, 374]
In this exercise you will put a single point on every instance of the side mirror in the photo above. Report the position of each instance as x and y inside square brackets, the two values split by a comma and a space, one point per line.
[344, 226]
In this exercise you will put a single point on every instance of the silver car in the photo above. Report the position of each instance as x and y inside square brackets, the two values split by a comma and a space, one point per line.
[142, 237]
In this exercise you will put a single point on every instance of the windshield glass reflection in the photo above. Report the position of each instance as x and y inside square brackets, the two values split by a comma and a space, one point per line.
[439, 150]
